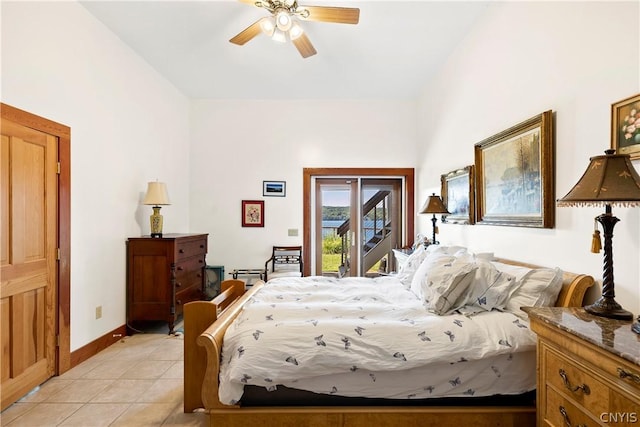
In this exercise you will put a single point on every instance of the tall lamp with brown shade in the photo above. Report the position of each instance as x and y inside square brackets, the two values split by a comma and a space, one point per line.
[434, 205]
[610, 180]
[156, 196]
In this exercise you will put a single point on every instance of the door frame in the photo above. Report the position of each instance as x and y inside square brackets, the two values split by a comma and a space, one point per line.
[63, 279]
[307, 190]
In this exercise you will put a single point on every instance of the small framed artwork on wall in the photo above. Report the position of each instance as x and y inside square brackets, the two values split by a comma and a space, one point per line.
[274, 188]
[253, 213]
[625, 126]
[458, 196]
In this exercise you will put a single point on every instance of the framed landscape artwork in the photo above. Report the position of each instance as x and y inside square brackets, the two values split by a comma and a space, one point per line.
[514, 173]
[253, 213]
[274, 188]
[625, 126]
[458, 196]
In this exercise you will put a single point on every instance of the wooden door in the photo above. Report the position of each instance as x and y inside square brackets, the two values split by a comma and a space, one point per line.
[28, 265]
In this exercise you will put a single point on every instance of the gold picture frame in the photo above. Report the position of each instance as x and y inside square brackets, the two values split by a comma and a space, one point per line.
[625, 126]
[515, 175]
[458, 191]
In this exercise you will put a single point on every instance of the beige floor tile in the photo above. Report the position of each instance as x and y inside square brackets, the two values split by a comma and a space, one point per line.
[45, 415]
[147, 369]
[96, 415]
[169, 350]
[110, 369]
[123, 391]
[164, 391]
[175, 371]
[51, 387]
[80, 391]
[144, 414]
[179, 418]
[14, 411]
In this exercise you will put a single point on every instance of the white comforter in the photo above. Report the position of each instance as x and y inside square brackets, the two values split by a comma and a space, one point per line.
[306, 332]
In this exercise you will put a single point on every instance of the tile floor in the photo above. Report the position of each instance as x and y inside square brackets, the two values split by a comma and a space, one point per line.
[135, 382]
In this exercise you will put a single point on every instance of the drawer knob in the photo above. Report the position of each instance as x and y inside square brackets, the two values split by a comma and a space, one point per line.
[565, 379]
[181, 251]
[178, 284]
[624, 374]
[180, 268]
[565, 416]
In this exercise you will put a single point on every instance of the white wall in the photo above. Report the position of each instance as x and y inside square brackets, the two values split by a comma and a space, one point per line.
[238, 144]
[575, 58]
[128, 126]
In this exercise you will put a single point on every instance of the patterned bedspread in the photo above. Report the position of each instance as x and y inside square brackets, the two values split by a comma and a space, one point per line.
[373, 338]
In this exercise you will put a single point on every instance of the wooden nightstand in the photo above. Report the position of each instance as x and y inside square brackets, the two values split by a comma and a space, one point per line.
[588, 369]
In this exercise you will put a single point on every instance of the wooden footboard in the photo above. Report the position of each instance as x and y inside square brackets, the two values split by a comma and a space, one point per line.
[203, 318]
[206, 323]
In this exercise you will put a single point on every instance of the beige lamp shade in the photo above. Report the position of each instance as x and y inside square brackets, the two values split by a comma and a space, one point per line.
[156, 194]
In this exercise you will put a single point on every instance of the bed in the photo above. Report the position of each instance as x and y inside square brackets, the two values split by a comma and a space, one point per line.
[308, 401]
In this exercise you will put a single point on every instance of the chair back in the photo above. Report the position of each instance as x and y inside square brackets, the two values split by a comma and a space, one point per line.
[284, 261]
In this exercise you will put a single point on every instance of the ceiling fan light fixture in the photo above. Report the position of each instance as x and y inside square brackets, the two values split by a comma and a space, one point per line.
[283, 20]
[268, 25]
[295, 31]
[279, 36]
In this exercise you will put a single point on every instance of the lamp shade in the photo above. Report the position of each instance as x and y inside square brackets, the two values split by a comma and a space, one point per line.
[434, 205]
[156, 194]
[609, 180]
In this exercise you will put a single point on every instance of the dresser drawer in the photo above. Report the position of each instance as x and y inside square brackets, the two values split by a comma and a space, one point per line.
[190, 269]
[574, 382]
[191, 247]
[561, 412]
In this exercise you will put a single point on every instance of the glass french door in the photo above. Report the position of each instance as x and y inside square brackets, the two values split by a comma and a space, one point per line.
[358, 221]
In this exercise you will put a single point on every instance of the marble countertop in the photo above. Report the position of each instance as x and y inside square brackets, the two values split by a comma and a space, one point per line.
[614, 336]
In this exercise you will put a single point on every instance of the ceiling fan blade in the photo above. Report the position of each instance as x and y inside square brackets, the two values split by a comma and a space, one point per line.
[304, 46]
[340, 15]
[247, 34]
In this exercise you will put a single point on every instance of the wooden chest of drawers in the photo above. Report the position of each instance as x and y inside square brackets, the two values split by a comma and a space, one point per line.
[588, 369]
[163, 274]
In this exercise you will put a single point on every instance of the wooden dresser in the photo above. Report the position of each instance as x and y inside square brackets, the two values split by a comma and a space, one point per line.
[588, 369]
[163, 274]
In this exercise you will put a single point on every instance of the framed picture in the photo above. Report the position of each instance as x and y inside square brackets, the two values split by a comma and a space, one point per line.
[515, 173]
[253, 213]
[458, 196]
[274, 188]
[625, 126]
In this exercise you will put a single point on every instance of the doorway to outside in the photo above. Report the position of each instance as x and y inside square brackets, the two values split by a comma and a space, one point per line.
[353, 218]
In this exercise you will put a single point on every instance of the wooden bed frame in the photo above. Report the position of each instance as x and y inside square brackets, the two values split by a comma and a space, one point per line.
[205, 323]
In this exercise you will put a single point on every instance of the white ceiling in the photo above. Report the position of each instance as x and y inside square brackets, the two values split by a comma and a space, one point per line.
[391, 53]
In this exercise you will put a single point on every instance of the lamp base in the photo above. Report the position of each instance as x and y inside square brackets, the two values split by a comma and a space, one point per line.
[159, 235]
[608, 307]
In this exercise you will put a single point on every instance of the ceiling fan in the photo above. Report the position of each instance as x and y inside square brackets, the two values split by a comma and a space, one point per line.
[283, 22]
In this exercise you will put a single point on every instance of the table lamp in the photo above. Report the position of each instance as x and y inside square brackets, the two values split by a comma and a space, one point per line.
[156, 196]
[609, 180]
[434, 205]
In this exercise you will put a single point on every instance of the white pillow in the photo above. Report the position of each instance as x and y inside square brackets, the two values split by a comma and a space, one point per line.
[408, 269]
[489, 289]
[445, 279]
[517, 271]
[538, 288]
[421, 274]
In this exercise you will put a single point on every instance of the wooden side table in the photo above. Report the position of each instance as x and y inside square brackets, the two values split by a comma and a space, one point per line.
[588, 368]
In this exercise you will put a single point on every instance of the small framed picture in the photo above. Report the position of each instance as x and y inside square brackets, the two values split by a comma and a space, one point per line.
[274, 188]
[457, 189]
[625, 127]
[253, 213]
